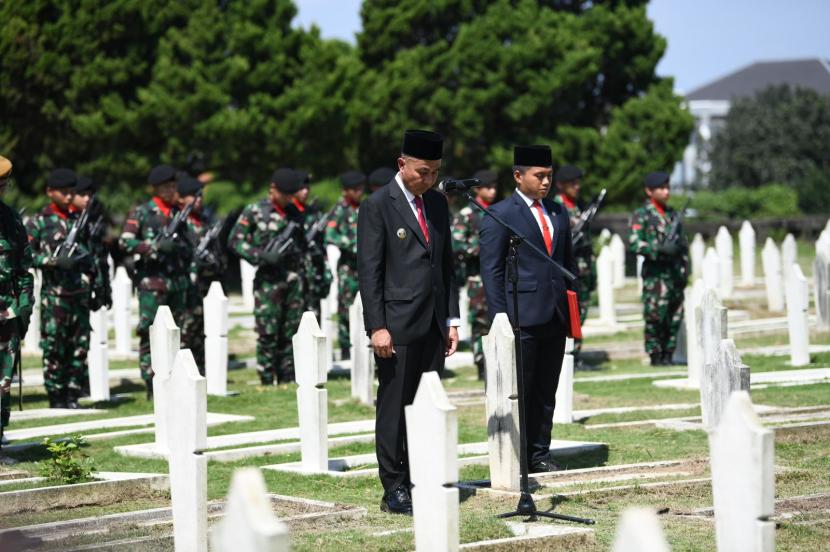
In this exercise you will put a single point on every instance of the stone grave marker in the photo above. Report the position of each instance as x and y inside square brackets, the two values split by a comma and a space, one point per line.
[724, 248]
[31, 343]
[464, 330]
[311, 369]
[564, 411]
[711, 328]
[639, 530]
[122, 294]
[605, 287]
[249, 523]
[789, 256]
[719, 380]
[746, 241]
[215, 306]
[99, 377]
[711, 269]
[604, 236]
[742, 458]
[502, 404]
[798, 301]
[697, 250]
[432, 431]
[640, 261]
[773, 278]
[618, 257]
[693, 296]
[187, 438]
[821, 282]
[165, 341]
[247, 273]
[823, 243]
[363, 361]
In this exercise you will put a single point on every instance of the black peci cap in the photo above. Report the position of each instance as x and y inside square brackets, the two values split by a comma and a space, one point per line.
[61, 178]
[422, 144]
[532, 156]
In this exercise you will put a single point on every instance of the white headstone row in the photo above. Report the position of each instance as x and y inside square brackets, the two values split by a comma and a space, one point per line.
[797, 304]
[773, 277]
[311, 369]
[605, 286]
[821, 282]
[363, 361]
[215, 308]
[122, 294]
[99, 379]
[617, 248]
[746, 240]
[725, 251]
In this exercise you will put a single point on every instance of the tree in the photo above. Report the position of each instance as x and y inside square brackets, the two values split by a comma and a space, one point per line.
[780, 135]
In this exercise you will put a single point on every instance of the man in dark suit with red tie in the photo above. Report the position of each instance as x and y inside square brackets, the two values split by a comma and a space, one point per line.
[410, 309]
[543, 304]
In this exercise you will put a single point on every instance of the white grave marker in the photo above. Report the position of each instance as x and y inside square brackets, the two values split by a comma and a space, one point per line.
[618, 257]
[697, 250]
[311, 369]
[187, 465]
[564, 411]
[727, 374]
[789, 256]
[432, 432]
[724, 248]
[773, 278]
[465, 330]
[215, 306]
[165, 341]
[640, 261]
[502, 404]
[99, 377]
[742, 458]
[746, 239]
[639, 530]
[711, 328]
[249, 523]
[711, 269]
[605, 287]
[798, 301]
[31, 343]
[122, 294]
[363, 361]
[821, 282]
[247, 273]
[693, 297]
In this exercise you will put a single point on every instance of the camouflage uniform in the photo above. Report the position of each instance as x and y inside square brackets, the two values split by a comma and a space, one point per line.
[163, 278]
[585, 266]
[16, 295]
[65, 298]
[278, 289]
[342, 233]
[465, 245]
[664, 278]
[317, 273]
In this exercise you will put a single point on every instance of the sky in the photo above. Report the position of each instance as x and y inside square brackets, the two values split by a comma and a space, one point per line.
[707, 39]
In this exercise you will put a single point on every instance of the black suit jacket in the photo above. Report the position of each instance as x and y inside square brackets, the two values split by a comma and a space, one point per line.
[405, 284]
[542, 286]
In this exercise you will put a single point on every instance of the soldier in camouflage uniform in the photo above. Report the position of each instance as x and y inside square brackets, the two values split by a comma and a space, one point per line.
[100, 292]
[342, 233]
[16, 290]
[665, 268]
[465, 228]
[278, 286]
[318, 277]
[65, 293]
[162, 269]
[567, 185]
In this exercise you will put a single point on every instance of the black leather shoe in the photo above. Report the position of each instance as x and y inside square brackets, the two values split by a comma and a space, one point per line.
[72, 399]
[543, 466]
[657, 359]
[397, 501]
[57, 400]
[149, 390]
[667, 359]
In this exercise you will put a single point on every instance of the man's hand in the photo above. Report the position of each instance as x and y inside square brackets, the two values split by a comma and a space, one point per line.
[452, 341]
[382, 343]
[5, 385]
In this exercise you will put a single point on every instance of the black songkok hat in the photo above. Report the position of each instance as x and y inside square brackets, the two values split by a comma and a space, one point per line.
[656, 179]
[567, 173]
[61, 178]
[381, 176]
[161, 174]
[288, 181]
[188, 186]
[488, 178]
[422, 144]
[353, 179]
[532, 156]
[84, 184]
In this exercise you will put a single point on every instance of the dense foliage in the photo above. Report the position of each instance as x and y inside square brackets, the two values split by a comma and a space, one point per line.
[114, 87]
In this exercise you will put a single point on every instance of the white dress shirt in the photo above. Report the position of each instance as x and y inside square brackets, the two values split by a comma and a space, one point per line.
[410, 198]
[533, 210]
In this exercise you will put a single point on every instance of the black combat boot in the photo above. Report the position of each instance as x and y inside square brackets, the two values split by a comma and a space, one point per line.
[149, 390]
[657, 359]
[57, 399]
[667, 358]
[72, 399]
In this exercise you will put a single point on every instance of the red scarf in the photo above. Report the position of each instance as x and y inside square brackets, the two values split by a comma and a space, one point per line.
[660, 209]
[58, 211]
[162, 205]
[567, 202]
[278, 209]
[485, 204]
[298, 204]
[354, 204]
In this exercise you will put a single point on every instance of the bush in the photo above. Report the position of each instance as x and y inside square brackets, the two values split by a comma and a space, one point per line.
[68, 463]
[771, 200]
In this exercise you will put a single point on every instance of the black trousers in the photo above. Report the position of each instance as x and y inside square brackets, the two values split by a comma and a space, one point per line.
[398, 379]
[542, 350]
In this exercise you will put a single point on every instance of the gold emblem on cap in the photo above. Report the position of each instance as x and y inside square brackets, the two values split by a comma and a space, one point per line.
[401, 234]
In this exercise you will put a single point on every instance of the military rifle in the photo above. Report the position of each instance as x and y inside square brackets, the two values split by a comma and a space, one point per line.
[584, 220]
[206, 251]
[283, 241]
[70, 245]
[673, 231]
[171, 231]
[312, 233]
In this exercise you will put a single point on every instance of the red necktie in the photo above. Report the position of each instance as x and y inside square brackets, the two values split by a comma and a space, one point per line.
[545, 229]
[422, 221]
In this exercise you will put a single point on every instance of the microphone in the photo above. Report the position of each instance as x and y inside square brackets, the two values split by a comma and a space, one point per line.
[458, 186]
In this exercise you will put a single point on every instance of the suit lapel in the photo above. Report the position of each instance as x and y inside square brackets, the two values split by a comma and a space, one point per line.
[535, 233]
[405, 211]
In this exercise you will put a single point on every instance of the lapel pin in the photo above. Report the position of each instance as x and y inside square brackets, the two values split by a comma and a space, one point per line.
[401, 234]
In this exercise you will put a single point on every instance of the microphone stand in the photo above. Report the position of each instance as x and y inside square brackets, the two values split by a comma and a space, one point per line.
[526, 506]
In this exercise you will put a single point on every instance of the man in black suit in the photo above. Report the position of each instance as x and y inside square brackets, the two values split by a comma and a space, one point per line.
[405, 267]
[543, 306]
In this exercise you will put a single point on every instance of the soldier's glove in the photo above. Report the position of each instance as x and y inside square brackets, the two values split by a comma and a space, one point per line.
[270, 258]
[66, 263]
[167, 245]
[669, 249]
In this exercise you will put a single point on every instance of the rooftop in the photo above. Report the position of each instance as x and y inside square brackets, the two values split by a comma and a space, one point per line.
[804, 73]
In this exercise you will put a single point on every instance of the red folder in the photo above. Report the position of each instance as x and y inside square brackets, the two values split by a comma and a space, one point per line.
[575, 327]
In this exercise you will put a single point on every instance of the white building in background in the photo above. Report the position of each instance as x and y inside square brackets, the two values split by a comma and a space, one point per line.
[709, 104]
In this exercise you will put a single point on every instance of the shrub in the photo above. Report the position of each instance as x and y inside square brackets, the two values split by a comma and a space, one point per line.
[771, 200]
[68, 463]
